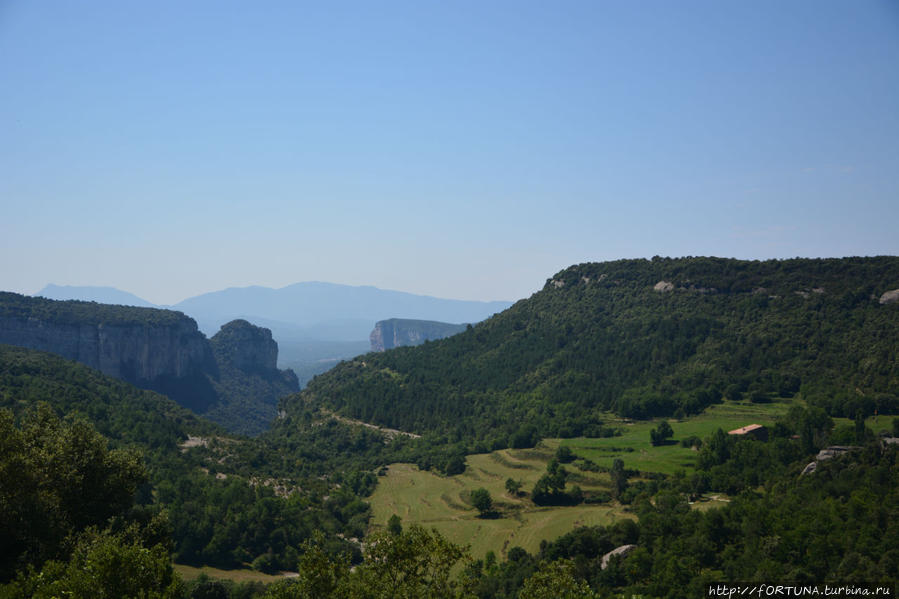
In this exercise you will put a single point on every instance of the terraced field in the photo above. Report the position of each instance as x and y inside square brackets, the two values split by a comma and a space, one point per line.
[442, 502]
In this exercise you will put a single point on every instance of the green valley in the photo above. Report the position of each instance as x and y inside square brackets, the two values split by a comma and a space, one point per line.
[592, 416]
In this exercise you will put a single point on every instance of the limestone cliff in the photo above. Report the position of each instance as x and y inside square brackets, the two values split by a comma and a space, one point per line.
[155, 349]
[232, 379]
[398, 332]
[245, 346]
[249, 384]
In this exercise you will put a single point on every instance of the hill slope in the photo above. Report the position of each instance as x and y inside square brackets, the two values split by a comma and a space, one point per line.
[219, 491]
[640, 338]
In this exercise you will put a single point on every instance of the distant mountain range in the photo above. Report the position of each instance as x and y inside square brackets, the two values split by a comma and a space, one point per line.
[345, 312]
[101, 295]
[316, 324]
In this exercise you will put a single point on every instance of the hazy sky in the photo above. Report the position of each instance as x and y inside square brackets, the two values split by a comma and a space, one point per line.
[459, 149]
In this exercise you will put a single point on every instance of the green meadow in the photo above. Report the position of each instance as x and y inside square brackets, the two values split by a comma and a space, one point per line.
[240, 575]
[633, 444]
[441, 502]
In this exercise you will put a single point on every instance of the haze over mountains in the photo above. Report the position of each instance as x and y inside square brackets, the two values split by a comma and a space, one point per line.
[316, 324]
[101, 295]
[601, 347]
[230, 378]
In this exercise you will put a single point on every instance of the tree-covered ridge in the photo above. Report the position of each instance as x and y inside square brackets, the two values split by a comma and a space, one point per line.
[642, 338]
[231, 501]
[75, 312]
[119, 411]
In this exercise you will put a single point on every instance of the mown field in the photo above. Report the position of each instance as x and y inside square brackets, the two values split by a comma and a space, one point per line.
[244, 575]
[441, 502]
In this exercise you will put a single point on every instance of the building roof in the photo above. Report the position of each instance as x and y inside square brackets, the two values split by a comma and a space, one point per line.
[745, 429]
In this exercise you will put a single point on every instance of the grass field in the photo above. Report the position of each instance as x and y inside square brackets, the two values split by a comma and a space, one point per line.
[440, 502]
[634, 448]
[191, 573]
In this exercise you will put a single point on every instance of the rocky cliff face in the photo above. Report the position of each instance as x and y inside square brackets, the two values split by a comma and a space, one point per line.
[135, 353]
[249, 384]
[245, 346]
[398, 332]
[136, 345]
[154, 349]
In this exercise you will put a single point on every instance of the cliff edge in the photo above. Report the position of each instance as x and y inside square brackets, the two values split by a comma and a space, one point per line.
[399, 332]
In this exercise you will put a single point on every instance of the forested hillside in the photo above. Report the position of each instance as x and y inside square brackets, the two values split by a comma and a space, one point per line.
[227, 504]
[232, 379]
[836, 526]
[641, 338]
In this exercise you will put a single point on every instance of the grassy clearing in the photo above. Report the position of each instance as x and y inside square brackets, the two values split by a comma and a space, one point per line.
[634, 448]
[875, 423]
[441, 502]
[191, 573]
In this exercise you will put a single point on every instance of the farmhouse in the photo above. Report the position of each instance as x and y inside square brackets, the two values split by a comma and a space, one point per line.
[756, 431]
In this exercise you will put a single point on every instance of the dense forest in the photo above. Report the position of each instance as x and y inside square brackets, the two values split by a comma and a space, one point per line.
[641, 338]
[104, 485]
[223, 502]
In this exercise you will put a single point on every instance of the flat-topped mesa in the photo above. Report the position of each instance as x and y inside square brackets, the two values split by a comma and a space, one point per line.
[245, 346]
[155, 349]
[398, 332]
[139, 345]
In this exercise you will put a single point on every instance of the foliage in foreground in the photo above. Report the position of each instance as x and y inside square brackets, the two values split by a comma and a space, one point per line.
[67, 522]
[408, 564]
[221, 511]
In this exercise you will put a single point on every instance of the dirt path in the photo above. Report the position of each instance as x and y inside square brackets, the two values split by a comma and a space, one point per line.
[390, 432]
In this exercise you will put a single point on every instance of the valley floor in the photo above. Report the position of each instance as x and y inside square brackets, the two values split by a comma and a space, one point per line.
[442, 502]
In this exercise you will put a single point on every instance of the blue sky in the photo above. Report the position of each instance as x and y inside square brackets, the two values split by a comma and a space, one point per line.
[459, 149]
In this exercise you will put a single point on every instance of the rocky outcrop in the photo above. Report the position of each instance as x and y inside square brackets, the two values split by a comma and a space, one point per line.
[249, 383]
[828, 453]
[245, 346]
[620, 552]
[398, 332]
[890, 297]
[135, 353]
[232, 379]
[138, 345]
